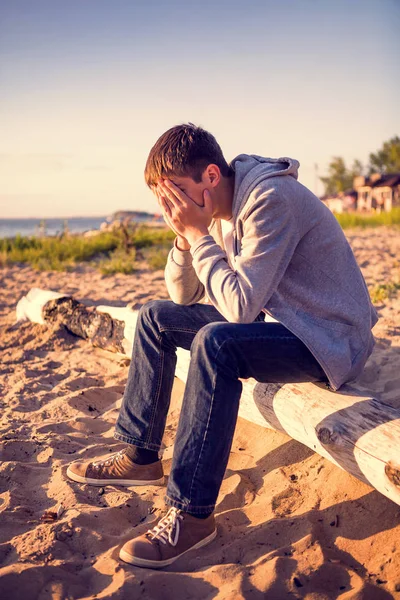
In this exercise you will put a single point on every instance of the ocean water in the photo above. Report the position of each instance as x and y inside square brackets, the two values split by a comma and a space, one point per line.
[12, 227]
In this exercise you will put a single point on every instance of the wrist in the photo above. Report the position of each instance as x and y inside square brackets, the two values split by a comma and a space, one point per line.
[196, 235]
[181, 243]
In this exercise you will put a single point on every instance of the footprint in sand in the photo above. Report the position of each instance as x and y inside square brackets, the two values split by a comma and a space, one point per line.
[4, 500]
[5, 550]
[90, 425]
[286, 502]
[237, 491]
[391, 385]
[17, 450]
[82, 383]
[81, 424]
[95, 400]
[4, 484]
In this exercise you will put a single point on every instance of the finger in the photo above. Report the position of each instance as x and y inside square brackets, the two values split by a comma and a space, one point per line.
[162, 194]
[170, 204]
[162, 198]
[160, 201]
[166, 206]
[158, 191]
[161, 206]
[169, 222]
[174, 194]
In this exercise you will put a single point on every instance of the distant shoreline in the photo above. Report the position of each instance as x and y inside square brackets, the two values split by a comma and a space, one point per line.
[25, 227]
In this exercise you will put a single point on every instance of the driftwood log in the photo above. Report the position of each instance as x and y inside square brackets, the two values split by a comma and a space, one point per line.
[100, 328]
[350, 427]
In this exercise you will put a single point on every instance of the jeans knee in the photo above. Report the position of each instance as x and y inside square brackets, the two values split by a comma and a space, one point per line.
[208, 337]
[156, 311]
[214, 345]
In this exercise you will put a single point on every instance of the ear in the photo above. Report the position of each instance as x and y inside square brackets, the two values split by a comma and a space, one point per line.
[212, 175]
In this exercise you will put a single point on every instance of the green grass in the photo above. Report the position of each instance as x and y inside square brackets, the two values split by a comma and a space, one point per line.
[347, 220]
[381, 292]
[156, 257]
[111, 251]
[118, 261]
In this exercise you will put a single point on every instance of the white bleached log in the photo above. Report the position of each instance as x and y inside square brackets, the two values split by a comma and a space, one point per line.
[30, 307]
[350, 427]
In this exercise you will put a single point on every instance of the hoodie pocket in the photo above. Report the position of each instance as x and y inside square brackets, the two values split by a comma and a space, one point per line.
[344, 337]
[345, 328]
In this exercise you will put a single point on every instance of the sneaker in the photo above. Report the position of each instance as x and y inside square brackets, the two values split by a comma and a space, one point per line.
[175, 534]
[116, 469]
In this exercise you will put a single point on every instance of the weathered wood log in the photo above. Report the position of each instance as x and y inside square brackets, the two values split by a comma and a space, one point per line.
[54, 309]
[98, 327]
[350, 427]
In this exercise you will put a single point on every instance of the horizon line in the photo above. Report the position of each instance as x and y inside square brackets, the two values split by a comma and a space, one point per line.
[72, 216]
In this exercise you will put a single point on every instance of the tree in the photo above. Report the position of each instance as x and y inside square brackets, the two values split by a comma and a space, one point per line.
[339, 177]
[386, 160]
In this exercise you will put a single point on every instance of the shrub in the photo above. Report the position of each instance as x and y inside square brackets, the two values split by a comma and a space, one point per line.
[118, 262]
[156, 257]
[347, 220]
[116, 252]
[385, 290]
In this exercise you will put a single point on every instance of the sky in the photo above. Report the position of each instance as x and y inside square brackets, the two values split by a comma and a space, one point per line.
[88, 86]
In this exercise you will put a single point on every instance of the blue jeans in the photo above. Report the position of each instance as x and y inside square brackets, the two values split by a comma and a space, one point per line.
[221, 353]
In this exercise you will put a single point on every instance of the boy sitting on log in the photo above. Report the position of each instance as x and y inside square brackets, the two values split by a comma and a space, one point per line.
[285, 302]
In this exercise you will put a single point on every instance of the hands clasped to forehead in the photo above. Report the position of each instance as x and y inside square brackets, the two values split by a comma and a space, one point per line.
[184, 216]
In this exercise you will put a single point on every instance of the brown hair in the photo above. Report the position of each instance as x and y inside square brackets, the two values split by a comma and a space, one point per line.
[185, 151]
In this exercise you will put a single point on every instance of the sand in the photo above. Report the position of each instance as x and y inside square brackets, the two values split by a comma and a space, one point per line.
[290, 523]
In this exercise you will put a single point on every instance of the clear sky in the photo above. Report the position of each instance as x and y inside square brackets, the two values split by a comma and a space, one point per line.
[87, 87]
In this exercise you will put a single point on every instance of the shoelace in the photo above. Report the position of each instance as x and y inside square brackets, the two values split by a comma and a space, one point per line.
[167, 526]
[110, 460]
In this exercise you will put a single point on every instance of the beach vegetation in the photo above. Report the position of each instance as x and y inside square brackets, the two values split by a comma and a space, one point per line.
[156, 257]
[111, 252]
[387, 158]
[340, 177]
[381, 292]
[354, 219]
[118, 261]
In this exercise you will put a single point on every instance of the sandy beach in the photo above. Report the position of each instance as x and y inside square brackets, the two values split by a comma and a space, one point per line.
[290, 523]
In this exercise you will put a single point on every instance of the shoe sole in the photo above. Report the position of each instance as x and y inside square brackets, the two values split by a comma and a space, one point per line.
[103, 482]
[158, 564]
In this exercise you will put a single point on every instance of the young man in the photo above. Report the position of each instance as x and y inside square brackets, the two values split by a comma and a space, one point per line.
[286, 303]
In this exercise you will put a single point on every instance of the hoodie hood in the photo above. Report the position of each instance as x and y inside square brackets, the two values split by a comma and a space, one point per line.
[250, 169]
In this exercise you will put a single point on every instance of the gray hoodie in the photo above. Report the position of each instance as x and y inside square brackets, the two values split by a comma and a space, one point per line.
[292, 259]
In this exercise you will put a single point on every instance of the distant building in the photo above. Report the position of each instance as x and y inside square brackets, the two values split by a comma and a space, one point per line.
[378, 193]
[334, 202]
[342, 202]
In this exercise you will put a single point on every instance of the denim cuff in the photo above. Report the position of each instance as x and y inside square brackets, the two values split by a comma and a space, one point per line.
[199, 510]
[134, 442]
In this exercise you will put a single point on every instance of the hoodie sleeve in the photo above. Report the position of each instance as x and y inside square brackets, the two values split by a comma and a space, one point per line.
[270, 236]
[181, 280]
